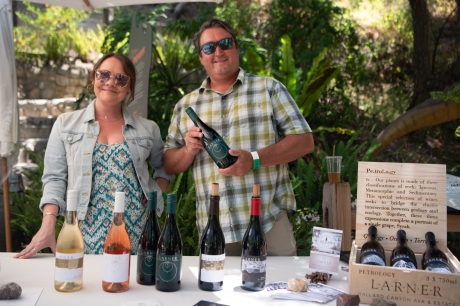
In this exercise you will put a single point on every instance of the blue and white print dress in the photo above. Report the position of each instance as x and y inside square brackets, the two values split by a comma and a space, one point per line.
[113, 171]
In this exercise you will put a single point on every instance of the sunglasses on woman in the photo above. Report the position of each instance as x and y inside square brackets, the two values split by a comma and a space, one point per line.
[120, 80]
[224, 44]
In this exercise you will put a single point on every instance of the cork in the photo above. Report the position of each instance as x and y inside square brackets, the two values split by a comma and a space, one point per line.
[256, 190]
[215, 189]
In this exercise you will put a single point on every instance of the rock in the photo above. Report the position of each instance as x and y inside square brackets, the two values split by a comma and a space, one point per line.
[297, 285]
[348, 300]
[381, 302]
[10, 291]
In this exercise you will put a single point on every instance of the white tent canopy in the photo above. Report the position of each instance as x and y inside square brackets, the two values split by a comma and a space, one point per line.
[90, 5]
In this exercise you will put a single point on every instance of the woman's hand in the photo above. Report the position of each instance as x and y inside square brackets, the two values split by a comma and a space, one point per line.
[45, 237]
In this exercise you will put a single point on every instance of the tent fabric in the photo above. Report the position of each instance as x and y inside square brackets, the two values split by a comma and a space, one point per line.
[90, 5]
[9, 131]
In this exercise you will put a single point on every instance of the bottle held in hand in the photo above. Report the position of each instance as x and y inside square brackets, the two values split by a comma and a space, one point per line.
[212, 248]
[213, 142]
[434, 259]
[372, 252]
[254, 248]
[69, 250]
[117, 250]
[402, 256]
[148, 241]
[168, 269]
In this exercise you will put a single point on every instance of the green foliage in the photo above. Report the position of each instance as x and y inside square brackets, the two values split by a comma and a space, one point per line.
[27, 216]
[320, 74]
[117, 31]
[302, 225]
[169, 81]
[52, 31]
[286, 73]
[453, 94]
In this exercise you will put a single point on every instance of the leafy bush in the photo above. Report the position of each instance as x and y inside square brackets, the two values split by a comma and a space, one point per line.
[53, 32]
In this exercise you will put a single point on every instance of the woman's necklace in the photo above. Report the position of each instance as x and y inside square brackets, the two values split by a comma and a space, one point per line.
[107, 119]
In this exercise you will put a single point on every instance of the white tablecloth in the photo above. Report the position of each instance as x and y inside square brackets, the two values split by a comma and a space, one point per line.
[39, 272]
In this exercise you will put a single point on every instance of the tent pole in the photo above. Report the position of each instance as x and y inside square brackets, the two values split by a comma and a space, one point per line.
[6, 204]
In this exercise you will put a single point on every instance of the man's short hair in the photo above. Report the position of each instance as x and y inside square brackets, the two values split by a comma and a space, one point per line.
[213, 23]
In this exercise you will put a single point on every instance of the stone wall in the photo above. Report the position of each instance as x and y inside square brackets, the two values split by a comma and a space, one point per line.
[39, 81]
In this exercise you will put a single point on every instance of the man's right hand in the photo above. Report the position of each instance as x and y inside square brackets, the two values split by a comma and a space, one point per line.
[193, 140]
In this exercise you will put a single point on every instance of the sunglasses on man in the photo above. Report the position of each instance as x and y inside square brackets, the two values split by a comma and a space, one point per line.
[120, 80]
[224, 44]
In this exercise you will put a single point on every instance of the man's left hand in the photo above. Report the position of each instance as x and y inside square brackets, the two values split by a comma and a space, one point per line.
[243, 165]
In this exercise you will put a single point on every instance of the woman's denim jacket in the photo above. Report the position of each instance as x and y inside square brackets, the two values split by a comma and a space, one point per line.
[69, 154]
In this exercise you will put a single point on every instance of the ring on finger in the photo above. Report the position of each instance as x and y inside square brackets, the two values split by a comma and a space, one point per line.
[35, 249]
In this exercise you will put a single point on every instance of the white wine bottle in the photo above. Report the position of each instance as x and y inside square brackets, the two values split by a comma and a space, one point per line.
[212, 248]
[254, 248]
[68, 275]
[117, 251]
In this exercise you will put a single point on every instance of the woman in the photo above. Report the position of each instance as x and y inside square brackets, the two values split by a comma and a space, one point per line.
[100, 150]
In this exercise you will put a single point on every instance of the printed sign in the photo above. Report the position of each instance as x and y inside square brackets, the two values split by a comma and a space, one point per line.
[325, 250]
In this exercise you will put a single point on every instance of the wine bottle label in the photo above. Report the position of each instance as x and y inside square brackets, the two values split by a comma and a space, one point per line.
[116, 268]
[218, 149]
[403, 261]
[168, 268]
[437, 265]
[212, 268]
[146, 262]
[253, 268]
[69, 267]
[372, 257]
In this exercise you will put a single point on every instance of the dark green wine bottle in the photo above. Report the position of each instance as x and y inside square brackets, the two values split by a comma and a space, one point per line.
[372, 252]
[212, 248]
[402, 256]
[169, 252]
[434, 259]
[213, 142]
[148, 241]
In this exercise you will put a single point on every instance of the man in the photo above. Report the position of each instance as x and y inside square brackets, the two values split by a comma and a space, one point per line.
[253, 114]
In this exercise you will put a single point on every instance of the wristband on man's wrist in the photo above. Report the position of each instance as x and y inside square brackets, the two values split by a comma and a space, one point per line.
[164, 195]
[256, 160]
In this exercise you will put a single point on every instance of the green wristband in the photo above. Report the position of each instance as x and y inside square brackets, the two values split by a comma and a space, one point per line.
[164, 195]
[256, 160]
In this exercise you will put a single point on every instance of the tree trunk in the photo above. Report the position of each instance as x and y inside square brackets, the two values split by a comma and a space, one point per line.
[422, 49]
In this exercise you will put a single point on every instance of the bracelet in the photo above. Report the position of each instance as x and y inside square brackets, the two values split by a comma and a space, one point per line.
[256, 160]
[49, 214]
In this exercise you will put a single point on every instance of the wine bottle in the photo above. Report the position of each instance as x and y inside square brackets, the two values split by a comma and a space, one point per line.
[213, 142]
[434, 259]
[254, 248]
[212, 248]
[117, 251]
[69, 250]
[148, 241]
[402, 256]
[168, 269]
[372, 252]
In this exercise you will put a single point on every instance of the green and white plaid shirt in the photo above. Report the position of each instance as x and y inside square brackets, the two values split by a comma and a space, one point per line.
[254, 113]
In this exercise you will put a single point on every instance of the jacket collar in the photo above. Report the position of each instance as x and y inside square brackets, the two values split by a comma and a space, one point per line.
[91, 117]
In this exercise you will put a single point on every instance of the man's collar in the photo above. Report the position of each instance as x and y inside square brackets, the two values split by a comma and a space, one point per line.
[206, 83]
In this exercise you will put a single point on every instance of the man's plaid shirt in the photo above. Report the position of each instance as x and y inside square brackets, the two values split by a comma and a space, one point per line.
[254, 113]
